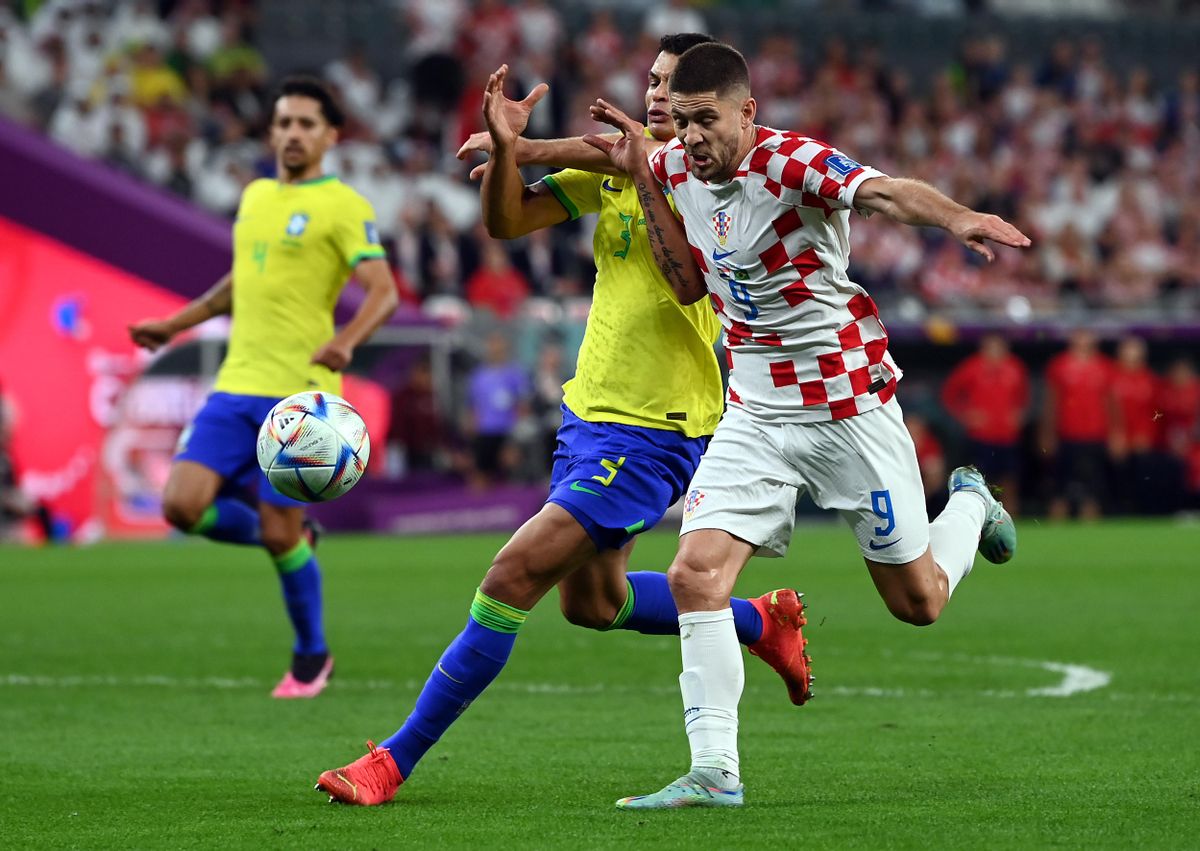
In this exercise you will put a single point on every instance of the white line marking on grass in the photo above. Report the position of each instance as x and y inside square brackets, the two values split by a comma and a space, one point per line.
[1076, 679]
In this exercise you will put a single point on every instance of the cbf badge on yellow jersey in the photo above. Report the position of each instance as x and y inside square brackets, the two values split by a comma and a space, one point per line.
[297, 223]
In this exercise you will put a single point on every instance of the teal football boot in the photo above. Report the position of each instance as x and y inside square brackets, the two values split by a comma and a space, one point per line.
[687, 791]
[998, 540]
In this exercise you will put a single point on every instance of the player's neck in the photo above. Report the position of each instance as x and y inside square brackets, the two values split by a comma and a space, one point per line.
[311, 173]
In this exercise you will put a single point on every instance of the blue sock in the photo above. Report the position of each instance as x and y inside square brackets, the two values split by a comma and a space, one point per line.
[650, 609]
[301, 580]
[467, 667]
[229, 520]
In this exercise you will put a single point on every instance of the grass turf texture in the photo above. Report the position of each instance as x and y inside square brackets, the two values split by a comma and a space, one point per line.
[134, 705]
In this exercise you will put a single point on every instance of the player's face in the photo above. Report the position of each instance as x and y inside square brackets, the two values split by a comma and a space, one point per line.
[300, 135]
[713, 131]
[658, 97]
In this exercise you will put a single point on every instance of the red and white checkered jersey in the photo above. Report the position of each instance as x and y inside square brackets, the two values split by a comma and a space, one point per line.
[803, 343]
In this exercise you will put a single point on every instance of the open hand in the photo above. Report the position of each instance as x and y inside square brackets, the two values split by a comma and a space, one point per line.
[974, 230]
[627, 153]
[506, 118]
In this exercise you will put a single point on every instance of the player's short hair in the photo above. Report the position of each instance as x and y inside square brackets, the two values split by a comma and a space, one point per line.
[311, 87]
[710, 67]
[679, 43]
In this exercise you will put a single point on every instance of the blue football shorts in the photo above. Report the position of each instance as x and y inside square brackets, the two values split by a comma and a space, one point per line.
[619, 480]
[224, 436]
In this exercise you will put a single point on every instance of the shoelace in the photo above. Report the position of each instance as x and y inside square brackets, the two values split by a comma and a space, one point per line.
[376, 761]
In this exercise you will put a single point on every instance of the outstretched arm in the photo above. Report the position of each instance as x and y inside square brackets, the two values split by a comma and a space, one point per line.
[560, 153]
[510, 209]
[914, 202]
[668, 239]
[153, 333]
[557, 153]
[380, 303]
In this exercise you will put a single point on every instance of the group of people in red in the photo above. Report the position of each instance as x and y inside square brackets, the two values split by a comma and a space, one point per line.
[1109, 432]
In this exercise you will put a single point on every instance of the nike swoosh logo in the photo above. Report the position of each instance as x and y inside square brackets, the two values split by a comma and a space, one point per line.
[609, 186]
[718, 256]
[575, 486]
[875, 546]
[447, 676]
[342, 777]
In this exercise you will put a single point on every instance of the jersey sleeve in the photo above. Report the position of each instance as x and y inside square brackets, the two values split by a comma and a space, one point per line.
[356, 234]
[669, 165]
[813, 174]
[578, 191]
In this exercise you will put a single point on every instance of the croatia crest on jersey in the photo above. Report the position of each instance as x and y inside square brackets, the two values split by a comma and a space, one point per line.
[694, 498]
[297, 223]
[721, 223]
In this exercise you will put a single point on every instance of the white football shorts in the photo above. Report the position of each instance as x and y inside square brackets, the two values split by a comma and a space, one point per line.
[865, 467]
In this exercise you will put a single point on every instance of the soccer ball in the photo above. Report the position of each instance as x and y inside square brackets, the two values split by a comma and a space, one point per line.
[313, 446]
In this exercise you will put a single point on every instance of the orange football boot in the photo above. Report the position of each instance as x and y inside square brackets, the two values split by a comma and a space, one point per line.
[370, 780]
[782, 644]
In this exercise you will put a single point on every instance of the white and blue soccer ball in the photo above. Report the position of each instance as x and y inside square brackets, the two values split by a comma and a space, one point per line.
[313, 446]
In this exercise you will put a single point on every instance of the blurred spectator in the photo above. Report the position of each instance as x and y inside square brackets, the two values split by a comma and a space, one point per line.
[1076, 423]
[417, 436]
[357, 84]
[540, 27]
[496, 285]
[1134, 389]
[152, 80]
[675, 16]
[1179, 408]
[988, 393]
[930, 459]
[499, 392]
[545, 409]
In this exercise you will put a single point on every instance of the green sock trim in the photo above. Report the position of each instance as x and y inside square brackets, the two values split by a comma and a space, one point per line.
[207, 520]
[626, 609]
[293, 559]
[495, 615]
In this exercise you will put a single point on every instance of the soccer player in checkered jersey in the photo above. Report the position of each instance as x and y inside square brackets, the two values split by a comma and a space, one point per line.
[631, 437]
[811, 407]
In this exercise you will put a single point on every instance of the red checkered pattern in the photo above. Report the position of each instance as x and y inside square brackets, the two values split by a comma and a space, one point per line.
[808, 345]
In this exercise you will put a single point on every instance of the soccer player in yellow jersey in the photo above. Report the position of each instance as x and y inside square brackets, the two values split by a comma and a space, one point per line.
[636, 418]
[296, 241]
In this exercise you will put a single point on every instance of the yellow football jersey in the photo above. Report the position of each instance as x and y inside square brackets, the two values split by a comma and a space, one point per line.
[646, 359]
[294, 247]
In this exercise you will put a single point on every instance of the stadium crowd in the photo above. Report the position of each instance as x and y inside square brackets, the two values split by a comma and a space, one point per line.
[1099, 162]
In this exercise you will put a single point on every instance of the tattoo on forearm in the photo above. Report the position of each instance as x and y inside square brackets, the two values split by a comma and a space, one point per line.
[672, 270]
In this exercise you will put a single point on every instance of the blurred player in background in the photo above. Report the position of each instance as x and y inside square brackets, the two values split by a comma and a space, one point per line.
[1077, 417]
[296, 241]
[636, 418]
[811, 383]
[988, 393]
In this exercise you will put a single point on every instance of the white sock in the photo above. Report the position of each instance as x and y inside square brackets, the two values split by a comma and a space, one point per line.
[711, 682]
[954, 536]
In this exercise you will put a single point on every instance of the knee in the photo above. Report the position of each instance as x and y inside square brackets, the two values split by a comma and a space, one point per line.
[690, 577]
[181, 512]
[918, 610]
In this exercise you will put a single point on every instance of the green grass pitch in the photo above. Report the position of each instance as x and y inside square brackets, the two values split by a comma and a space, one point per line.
[134, 705]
